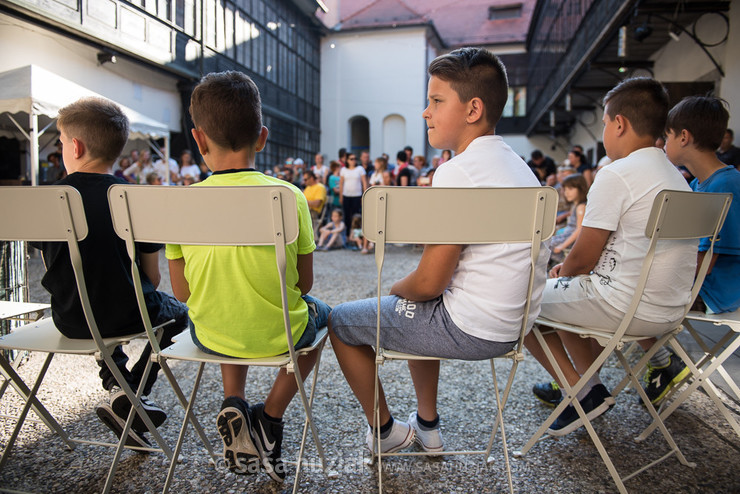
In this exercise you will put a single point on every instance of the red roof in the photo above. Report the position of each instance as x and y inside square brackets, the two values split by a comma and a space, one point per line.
[458, 22]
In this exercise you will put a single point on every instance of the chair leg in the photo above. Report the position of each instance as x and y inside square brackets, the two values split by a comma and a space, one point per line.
[29, 397]
[309, 420]
[13, 379]
[654, 414]
[184, 427]
[309, 423]
[500, 402]
[709, 354]
[699, 378]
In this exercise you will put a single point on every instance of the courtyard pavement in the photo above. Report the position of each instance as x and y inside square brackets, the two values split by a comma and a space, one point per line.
[40, 463]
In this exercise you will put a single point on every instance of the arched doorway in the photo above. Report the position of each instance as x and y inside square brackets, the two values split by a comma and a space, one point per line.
[359, 132]
[394, 134]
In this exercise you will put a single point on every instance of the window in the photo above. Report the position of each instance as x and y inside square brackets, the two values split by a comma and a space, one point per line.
[500, 12]
[516, 104]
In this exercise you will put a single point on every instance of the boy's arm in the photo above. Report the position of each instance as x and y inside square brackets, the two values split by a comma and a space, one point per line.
[305, 273]
[585, 253]
[700, 259]
[431, 276]
[149, 262]
[180, 286]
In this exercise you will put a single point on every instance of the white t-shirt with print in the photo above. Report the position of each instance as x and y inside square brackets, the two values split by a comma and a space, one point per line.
[620, 201]
[488, 289]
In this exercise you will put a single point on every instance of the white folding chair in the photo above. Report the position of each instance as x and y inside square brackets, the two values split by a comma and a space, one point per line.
[675, 215]
[56, 214]
[705, 367]
[259, 215]
[512, 215]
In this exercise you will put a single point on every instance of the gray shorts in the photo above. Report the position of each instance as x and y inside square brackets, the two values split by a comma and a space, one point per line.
[419, 328]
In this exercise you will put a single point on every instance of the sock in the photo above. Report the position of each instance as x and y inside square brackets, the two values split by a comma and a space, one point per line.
[272, 419]
[427, 425]
[595, 379]
[661, 358]
[385, 429]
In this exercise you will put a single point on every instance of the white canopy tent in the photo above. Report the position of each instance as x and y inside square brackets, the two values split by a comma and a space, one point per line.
[35, 94]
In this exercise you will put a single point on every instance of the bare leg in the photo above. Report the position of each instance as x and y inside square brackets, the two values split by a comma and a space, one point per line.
[235, 379]
[358, 366]
[284, 388]
[581, 350]
[647, 344]
[558, 351]
[425, 374]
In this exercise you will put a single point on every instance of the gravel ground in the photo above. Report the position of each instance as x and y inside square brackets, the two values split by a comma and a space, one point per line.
[40, 463]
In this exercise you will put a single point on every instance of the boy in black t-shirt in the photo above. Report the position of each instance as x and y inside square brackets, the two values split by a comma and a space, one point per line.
[93, 133]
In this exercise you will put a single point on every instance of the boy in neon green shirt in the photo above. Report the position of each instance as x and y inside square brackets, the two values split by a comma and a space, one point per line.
[233, 292]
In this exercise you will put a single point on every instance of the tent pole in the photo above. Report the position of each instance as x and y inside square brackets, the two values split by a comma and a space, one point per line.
[34, 142]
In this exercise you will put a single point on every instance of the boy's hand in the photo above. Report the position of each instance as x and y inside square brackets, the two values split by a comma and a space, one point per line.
[555, 271]
[432, 276]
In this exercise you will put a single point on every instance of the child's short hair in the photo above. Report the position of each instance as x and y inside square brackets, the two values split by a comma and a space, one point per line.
[641, 100]
[227, 107]
[705, 117]
[152, 178]
[577, 181]
[99, 123]
[356, 221]
[339, 212]
[475, 73]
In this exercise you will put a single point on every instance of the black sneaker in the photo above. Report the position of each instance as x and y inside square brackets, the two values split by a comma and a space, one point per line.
[548, 393]
[234, 426]
[659, 380]
[116, 424]
[596, 402]
[269, 439]
[121, 405]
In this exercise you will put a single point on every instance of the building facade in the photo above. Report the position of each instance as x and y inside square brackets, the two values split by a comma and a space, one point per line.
[162, 48]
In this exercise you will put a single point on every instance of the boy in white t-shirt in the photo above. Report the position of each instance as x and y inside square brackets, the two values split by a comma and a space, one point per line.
[461, 302]
[594, 285]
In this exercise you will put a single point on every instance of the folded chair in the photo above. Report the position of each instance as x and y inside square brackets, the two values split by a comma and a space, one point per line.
[675, 215]
[410, 215]
[56, 214]
[259, 215]
[705, 367]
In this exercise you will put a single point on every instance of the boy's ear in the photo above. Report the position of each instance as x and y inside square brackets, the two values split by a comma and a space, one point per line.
[685, 138]
[621, 124]
[262, 139]
[476, 110]
[200, 140]
[78, 148]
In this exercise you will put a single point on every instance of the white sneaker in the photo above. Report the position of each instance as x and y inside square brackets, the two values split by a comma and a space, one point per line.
[401, 436]
[430, 441]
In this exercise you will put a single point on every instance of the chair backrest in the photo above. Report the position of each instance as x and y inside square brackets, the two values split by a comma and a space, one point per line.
[52, 213]
[254, 215]
[482, 215]
[680, 215]
[42, 214]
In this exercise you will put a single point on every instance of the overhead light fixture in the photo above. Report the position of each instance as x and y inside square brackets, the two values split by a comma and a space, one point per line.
[568, 102]
[552, 119]
[622, 42]
[622, 70]
[105, 57]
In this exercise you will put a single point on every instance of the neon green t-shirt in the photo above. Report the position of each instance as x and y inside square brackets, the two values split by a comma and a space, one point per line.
[234, 299]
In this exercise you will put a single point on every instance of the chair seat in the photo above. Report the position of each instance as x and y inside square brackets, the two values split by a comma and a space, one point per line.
[393, 355]
[9, 310]
[600, 335]
[731, 319]
[183, 348]
[43, 336]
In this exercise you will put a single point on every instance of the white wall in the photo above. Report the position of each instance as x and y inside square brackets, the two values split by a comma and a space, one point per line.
[374, 74]
[149, 92]
[684, 61]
